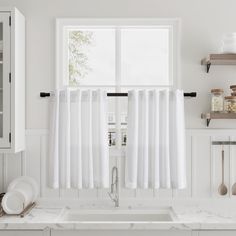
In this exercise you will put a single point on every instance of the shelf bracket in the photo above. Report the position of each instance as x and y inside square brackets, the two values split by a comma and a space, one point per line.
[208, 120]
[208, 66]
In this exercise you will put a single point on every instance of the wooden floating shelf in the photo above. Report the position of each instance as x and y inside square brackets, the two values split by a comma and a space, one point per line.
[223, 143]
[219, 59]
[216, 115]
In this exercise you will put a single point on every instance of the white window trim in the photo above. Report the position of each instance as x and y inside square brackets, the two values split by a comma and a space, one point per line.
[62, 24]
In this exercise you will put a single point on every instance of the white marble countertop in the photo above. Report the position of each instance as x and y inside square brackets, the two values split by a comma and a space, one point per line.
[189, 217]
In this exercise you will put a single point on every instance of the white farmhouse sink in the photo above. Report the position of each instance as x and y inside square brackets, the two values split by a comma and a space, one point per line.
[120, 215]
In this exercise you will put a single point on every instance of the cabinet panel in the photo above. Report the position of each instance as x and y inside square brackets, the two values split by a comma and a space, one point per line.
[119, 233]
[23, 233]
[217, 233]
[12, 80]
[5, 70]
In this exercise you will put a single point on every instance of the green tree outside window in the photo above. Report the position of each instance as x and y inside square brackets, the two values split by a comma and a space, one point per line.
[78, 55]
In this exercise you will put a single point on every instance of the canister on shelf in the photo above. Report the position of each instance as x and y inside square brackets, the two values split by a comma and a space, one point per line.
[233, 87]
[217, 100]
[230, 104]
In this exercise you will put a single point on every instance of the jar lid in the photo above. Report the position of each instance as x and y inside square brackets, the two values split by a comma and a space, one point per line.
[217, 91]
[232, 86]
[230, 97]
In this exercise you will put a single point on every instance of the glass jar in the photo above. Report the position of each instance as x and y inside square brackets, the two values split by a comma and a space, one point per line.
[217, 100]
[230, 104]
[233, 87]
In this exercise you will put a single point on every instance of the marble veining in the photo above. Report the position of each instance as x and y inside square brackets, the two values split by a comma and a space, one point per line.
[188, 218]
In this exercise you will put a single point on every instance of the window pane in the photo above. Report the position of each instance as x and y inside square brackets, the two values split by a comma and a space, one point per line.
[92, 57]
[145, 57]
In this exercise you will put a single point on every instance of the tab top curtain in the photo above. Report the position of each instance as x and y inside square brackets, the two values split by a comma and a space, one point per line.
[155, 152]
[78, 145]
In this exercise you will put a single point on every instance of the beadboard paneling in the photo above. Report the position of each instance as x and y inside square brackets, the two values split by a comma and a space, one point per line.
[203, 168]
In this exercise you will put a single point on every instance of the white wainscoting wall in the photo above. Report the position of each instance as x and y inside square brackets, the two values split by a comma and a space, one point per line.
[203, 168]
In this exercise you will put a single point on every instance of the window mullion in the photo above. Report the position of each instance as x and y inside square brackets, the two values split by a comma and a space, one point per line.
[118, 86]
[118, 57]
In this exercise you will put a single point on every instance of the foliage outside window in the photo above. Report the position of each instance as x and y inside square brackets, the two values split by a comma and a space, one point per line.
[79, 42]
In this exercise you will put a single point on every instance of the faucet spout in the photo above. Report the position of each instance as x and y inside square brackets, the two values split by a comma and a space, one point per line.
[114, 193]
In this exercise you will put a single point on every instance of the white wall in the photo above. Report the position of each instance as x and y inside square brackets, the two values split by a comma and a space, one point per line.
[203, 23]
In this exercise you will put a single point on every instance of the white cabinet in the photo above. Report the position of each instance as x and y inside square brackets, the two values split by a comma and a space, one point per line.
[120, 233]
[24, 233]
[12, 80]
[217, 233]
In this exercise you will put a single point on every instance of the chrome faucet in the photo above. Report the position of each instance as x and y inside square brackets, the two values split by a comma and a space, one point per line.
[114, 194]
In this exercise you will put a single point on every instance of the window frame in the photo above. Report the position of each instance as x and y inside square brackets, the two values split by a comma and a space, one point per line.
[63, 24]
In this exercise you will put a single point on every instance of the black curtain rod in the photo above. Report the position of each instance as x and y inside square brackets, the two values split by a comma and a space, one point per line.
[192, 94]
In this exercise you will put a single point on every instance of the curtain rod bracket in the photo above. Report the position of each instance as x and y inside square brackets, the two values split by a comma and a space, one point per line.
[44, 94]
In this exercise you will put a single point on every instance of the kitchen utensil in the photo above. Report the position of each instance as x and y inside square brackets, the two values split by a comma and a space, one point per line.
[222, 188]
[234, 189]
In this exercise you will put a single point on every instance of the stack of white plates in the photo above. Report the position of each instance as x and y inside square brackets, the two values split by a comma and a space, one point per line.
[20, 193]
[229, 43]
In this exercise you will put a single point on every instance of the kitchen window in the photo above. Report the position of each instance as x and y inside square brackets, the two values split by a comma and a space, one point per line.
[118, 53]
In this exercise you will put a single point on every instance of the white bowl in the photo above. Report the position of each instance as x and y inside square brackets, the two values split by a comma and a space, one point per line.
[13, 202]
[230, 35]
[229, 41]
[228, 49]
[233, 44]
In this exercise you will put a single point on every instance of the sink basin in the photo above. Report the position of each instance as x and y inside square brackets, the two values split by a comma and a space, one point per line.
[120, 215]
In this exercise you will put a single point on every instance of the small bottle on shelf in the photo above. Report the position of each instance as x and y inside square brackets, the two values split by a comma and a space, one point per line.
[217, 100]
[230, 104]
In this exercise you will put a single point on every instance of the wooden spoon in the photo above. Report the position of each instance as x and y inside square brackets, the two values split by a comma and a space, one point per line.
[222, 188]
[234, 189]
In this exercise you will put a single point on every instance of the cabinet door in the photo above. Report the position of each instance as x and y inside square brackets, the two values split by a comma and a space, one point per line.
[217, 233]
[23, 233]
[5, 69]
[120, 233]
